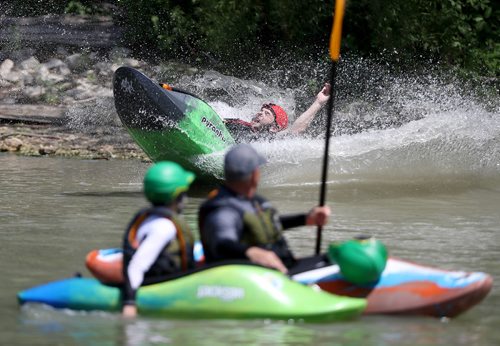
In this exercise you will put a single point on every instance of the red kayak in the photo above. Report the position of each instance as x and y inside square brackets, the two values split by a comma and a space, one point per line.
[408, 288]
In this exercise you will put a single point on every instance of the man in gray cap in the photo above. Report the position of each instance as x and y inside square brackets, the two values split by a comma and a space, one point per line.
[236, 223]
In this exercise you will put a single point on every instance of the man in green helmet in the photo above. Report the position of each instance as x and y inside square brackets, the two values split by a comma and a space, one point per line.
[157, 241]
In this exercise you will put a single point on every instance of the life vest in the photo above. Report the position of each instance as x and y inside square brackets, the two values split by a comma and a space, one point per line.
[243, 132]
[238, 124]
[261, 225]
[177, 254]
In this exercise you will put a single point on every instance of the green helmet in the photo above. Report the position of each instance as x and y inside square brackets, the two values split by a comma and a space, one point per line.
[361, 260]
[166, 180]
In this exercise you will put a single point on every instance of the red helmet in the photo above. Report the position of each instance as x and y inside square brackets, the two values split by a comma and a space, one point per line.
[280, 115]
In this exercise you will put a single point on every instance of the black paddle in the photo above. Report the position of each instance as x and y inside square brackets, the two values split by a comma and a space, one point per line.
[335, 39]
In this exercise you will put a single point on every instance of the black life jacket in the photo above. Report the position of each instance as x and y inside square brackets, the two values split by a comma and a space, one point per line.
[243, 132]
[261, 225]
[177, 254]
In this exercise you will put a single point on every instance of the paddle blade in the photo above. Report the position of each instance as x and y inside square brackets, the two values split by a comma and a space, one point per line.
[336, 34]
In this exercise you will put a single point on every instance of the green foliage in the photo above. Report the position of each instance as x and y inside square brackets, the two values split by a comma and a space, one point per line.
[76, 7]
[460, 32]
[223, 29]
[226, 27]
[159, 25]
[250, 26]
[463, 33]
[83, 7]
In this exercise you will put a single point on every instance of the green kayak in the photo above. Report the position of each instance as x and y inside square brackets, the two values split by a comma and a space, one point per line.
[171, 124]
[230, 291]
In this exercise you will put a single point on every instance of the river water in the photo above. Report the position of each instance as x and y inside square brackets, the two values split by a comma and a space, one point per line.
[429, 189]
[434, 200]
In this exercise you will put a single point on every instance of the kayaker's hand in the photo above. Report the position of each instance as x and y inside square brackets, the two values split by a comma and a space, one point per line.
[265, 258]
[129, 311]
[324, 94]
[318, 216]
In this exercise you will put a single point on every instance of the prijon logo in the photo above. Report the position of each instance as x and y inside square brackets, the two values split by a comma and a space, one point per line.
[212, 127]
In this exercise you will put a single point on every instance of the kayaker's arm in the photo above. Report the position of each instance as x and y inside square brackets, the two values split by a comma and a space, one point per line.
[317, 216]
[129, 311]
[265, 258]
[293, 220]
[303, 121]
[161, 231]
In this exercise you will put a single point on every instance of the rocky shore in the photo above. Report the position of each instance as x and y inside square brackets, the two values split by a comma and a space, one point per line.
[56, 94]
[46, 140]
[63, 106]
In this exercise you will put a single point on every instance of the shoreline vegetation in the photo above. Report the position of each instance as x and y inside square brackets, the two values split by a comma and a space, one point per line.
[233, 35]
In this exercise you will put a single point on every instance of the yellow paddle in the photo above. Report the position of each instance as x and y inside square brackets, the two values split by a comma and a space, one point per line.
[335, 39]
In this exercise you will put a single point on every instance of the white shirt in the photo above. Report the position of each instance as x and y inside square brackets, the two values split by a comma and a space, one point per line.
[153, 235]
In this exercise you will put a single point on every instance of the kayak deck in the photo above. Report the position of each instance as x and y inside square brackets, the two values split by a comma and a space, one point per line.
[403, 288]
[226, 291]
[408, 288]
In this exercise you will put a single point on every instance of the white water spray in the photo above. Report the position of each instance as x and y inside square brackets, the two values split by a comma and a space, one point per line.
[418, 130]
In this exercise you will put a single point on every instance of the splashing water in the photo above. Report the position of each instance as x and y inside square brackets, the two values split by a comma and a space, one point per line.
[441, 147]
[418, 128]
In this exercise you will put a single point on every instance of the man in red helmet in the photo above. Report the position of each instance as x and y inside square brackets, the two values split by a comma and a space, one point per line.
[272, 121]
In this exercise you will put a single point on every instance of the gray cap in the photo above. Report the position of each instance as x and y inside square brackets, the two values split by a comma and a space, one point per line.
[241, 161]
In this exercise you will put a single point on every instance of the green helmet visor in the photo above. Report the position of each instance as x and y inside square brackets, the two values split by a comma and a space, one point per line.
[188, 179]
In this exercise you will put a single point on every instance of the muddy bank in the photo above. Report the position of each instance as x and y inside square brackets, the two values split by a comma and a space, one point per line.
[50, 140]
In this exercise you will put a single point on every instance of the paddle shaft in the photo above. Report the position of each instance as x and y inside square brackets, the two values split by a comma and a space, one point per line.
[335, 39]
[324, 171]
